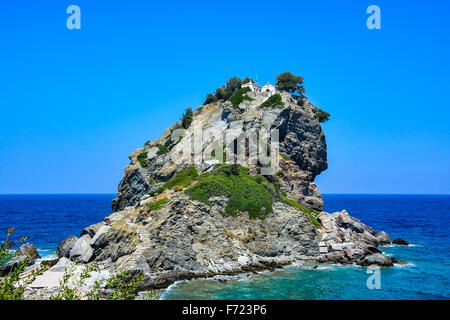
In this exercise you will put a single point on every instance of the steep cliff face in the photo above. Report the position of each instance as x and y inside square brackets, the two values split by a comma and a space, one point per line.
[302, 146]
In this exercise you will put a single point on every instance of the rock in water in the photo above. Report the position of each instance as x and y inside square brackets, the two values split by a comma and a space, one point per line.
[378, 259]
[400, 242]
[65, 246]
[383, 238]
[82, 250]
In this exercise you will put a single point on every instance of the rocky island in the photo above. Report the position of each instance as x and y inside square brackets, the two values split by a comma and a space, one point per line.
[227, 189]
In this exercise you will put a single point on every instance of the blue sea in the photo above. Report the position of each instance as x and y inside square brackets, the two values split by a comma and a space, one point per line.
[422, 220]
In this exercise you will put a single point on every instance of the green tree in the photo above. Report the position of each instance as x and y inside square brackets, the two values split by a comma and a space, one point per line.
[323, 116]
[186, 118]
[210, 98]
[234, 84]
[247, 80]
[223, 93]
[289, 82]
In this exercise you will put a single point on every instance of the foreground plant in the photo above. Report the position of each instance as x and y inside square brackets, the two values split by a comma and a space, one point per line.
[14, 283]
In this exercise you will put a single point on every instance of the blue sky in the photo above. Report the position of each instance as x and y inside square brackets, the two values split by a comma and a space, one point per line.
[75, 103]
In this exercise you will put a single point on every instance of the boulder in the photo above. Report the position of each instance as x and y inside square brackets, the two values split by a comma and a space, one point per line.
[28, 249]
[383, 238]
[355, 254]
[356, 226]
[342, 218]
[377, 259]
[113, 217]
[400, 242]
[12, 264]
[65, 246]
[82, 250]
[326, 220]
[99, 237]
[92, 229]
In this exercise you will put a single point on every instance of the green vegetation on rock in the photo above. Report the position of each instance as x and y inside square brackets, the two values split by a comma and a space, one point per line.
[186, 118]
[240, 96]
[274, 101]
[183, 179]
[142, 158]
[210, 98]
[285, 157]
[310, 212]
[245, 193]
[323, 116]
[158, 204]
[289, 82]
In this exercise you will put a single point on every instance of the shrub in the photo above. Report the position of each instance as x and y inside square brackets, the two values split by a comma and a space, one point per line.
[13, 284]
[186, 118]
[285, 157]
[157, 204]
[210, 98]
[223, 93]
[310, 212]
[234, 84]
[323, 116]
[142, 159]
[183, 179]
[162, 149]
[240, 96]
[178, 188]
[289, 82]
[244, 192]
[274, 101]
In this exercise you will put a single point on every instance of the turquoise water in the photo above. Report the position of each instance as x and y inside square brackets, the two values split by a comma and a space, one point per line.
[421, 220]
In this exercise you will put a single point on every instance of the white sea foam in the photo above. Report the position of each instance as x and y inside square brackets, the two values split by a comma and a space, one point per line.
[407, 265]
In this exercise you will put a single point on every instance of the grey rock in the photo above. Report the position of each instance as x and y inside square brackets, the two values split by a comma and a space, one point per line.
[26, 254]
[355, 254]
[82, 250]
[383, 238]
[99, 238]
[377, 259]
[113, 217]
[65, 246]
[401, 242]
[92, 229]
[356, 226]
[14, 263]
[28, 249]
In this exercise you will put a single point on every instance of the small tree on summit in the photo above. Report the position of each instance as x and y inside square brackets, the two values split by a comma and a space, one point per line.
[223, 93]
[234, 84]
[289, 82]
[247, 80]
[210, 98]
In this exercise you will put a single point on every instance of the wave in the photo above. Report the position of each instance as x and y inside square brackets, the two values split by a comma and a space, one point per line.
[405, 265]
